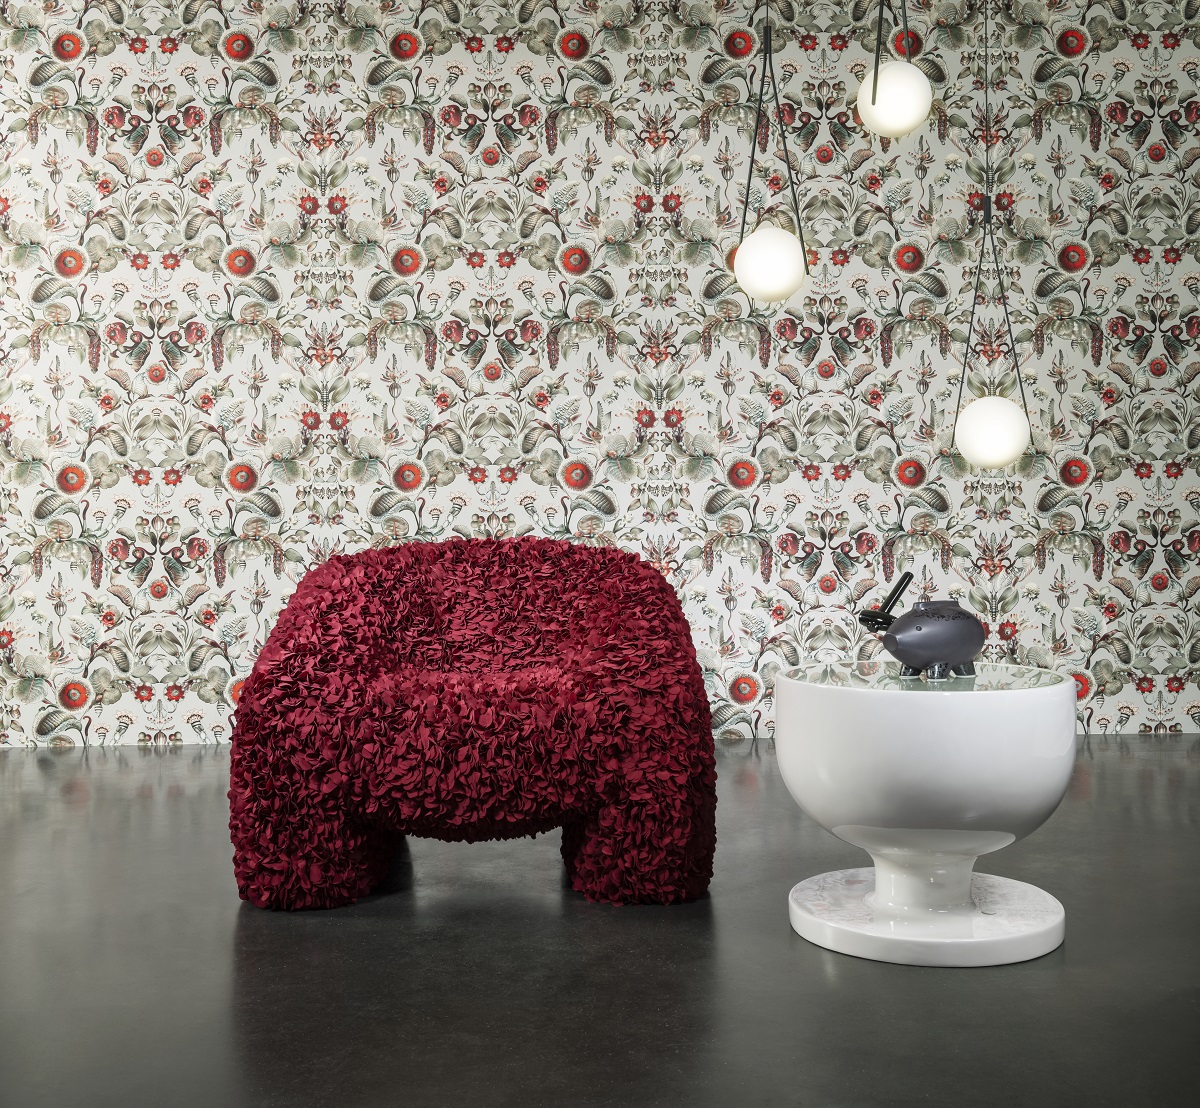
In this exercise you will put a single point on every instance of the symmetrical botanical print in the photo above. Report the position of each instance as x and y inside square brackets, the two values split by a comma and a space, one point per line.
[279, 281]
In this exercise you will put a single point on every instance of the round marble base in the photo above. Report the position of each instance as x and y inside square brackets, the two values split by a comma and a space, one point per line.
[1011, 922]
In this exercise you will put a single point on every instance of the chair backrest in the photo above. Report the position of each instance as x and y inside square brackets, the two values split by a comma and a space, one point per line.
[476, 604]
[506, 603]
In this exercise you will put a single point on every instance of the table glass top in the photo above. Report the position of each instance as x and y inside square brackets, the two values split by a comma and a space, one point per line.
[989, 677]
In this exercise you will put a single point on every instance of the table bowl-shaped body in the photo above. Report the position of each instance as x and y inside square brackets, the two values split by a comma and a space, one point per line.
[926, 776]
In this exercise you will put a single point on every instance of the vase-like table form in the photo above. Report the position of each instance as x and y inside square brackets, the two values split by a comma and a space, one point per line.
[926, 776]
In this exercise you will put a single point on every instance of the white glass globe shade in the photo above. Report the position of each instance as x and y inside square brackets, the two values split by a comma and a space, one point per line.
[902, 103]
[770, 263]
[992, 432]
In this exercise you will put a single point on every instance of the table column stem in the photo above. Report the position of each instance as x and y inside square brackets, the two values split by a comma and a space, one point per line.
[908, 885]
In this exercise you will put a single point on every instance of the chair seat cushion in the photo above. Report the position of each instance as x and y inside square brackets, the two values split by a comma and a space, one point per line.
[486, 753]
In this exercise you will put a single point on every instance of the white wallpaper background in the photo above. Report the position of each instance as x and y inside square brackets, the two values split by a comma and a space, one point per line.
[284, 280]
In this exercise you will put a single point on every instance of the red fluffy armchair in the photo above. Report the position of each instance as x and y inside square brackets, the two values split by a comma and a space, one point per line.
[475, 690]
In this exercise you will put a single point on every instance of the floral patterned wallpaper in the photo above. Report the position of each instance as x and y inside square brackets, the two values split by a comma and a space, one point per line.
[283, 280]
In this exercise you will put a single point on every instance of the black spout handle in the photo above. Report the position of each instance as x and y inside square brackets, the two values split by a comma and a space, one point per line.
[880, 619]
[893, 598]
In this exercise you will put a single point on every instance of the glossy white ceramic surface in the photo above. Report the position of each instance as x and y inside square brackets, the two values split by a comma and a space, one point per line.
[1009, 921]
[926, 777]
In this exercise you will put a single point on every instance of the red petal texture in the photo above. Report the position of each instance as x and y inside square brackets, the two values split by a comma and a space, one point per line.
[475, 689]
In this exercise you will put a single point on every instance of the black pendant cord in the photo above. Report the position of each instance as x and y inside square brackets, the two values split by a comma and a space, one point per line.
[1012, 340]
[768, 68]
[787, 154]
[879, 44]
[967, 349]
[878, 55]
[988, 237]
[762, 88]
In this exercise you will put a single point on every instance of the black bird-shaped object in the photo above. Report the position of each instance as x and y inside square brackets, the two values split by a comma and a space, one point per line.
[937, 637]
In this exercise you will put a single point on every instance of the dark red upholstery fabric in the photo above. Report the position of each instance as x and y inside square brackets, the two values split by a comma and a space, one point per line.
[475, 689]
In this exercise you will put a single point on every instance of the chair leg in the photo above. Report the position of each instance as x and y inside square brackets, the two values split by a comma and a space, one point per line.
[657, 849]
[296, 846]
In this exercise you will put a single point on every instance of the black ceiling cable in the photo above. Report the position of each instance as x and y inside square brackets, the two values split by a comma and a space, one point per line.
[768, 66]
[879, 44]
[989, 234]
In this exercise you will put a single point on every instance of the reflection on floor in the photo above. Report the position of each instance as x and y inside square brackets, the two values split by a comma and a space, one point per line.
[131, 974]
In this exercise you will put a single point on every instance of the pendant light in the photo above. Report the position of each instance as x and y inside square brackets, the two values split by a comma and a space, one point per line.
[991, 432]
[900, 95]
[770, 263]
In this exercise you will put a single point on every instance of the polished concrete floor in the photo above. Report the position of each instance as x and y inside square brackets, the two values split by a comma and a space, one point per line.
[130, 973]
